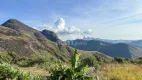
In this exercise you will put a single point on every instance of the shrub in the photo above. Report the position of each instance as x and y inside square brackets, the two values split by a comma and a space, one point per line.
[14, 56]
[121, 60]
[75, 72]
[4, 57]
[40, 60]
[137, 61]
[9, 72]
[94, 61]
[91, 62]
[9, 57]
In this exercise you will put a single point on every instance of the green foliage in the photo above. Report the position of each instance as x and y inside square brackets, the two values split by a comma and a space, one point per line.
[75, 72]
[137, 61]
[6, 71]
[9, 57]
[4, 57]
[14, 56]
[121, 60]
[9, 72]
[37, 59]
[23, 62]
[94, 61]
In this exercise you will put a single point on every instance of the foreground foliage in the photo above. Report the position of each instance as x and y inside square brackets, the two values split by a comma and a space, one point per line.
[75, 72]
[11, 73]
[115, 69]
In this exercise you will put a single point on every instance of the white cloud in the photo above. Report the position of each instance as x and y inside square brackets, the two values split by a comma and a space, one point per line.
[60, 24]
[89, 31]
[42, 26]
[69, 30]
[62, 31]
[60, 28]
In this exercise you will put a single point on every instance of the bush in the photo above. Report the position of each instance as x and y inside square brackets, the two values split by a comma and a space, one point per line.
[94, 61]
[9, 57]
[9, 72]
[91, 62]
[40, 60]
[4, 57]
[75, 72]
[121, 60]
[137, 61]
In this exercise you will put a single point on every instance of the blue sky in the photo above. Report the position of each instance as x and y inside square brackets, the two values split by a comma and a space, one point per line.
[109, 19]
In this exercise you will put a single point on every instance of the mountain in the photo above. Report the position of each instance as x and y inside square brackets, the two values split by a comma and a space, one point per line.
[136, 43]
[50, 35]
[26, 41]
[17, 37]
[113, 50]
[90, 45]
[107, 40]
[122, 50]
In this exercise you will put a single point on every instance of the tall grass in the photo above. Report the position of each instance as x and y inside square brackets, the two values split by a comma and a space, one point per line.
[121, 72]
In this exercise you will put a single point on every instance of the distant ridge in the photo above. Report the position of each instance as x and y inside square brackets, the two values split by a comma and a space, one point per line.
[113, 50]
[136, 43]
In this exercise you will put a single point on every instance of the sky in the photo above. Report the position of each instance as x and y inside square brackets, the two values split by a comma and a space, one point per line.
[71, 19]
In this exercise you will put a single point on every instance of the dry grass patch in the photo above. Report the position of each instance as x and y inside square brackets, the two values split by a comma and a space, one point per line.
[121, 72]
[35, 70]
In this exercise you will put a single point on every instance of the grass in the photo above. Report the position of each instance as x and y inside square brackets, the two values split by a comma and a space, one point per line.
[121, 72]
[108, 72]
[35, 70]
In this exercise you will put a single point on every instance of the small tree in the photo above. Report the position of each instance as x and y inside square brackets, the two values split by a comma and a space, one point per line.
[75, 72]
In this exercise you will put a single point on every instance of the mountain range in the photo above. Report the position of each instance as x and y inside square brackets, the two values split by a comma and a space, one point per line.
[17, 37]
[111, 49]
[137, 43]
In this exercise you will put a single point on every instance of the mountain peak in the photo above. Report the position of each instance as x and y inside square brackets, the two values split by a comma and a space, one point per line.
[16, 25]
[11, 20]
[50, 35]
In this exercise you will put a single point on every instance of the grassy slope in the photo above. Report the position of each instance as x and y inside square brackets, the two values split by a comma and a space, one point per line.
[121, 72]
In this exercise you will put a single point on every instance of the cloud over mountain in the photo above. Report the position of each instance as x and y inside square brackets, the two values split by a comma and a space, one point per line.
[60, 24]
[61, 30]
[89, 31]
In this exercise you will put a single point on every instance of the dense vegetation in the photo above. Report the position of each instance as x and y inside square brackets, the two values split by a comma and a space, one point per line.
[77, 71]
[9, 72]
